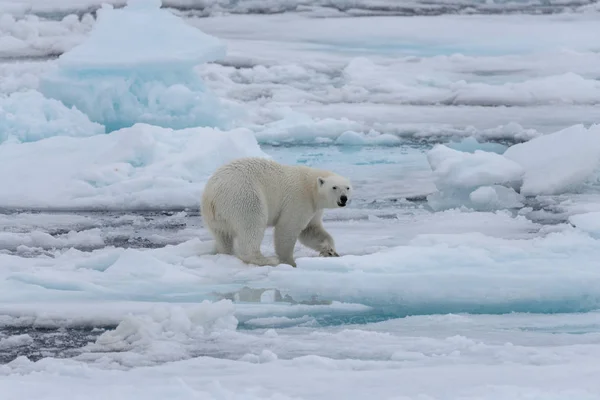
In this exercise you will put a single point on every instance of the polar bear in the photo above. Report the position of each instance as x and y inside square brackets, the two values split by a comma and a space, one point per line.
[242, 198]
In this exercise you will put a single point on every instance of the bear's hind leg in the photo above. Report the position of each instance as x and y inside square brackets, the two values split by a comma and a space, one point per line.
[224, 242]
[249, 240]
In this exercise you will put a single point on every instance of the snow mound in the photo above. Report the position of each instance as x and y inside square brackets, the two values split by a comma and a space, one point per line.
[139, 167]
[558, 162]
[166, 332]
[473, 179]
[137, 65]
[29, 116]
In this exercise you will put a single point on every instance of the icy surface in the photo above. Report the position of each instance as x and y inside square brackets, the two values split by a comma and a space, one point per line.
[139, 167]
[149, 77]
[261, 332]
[504, 270]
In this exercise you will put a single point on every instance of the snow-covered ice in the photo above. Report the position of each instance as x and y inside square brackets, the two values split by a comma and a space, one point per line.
[143, 166]
[470, 251]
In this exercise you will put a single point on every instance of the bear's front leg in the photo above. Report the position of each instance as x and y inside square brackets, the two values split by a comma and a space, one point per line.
[329, 253]
[315, 237]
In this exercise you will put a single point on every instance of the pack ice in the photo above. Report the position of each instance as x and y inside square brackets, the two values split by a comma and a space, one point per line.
[137, 65]
[453, 304]
[550, 164]
[134, 79]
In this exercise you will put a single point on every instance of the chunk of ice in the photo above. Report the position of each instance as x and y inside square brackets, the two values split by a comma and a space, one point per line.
[141, 36]
[28, 116]
[495, 197]
[457, 169]
[166, 333]
[137, 66]
[559, 162]
[473, 179]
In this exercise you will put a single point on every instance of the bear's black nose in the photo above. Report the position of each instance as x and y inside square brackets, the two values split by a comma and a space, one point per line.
[343, 198]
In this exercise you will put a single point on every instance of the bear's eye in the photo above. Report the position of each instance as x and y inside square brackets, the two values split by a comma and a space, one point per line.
[347, 188]
[334, 188]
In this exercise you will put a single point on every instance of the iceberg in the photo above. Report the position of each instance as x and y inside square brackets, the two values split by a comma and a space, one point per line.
[137, 65]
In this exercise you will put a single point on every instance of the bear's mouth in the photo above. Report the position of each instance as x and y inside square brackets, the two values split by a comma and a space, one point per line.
[339, 203]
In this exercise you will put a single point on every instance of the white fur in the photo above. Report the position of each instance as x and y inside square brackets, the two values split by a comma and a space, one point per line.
[244, 197]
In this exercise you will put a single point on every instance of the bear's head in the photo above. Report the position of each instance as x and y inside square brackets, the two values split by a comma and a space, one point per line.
[334, 191]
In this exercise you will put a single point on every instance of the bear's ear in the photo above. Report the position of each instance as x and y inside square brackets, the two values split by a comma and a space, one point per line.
[321, 181]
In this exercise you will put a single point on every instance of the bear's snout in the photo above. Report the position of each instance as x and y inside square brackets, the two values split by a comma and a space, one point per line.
[343, 200]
